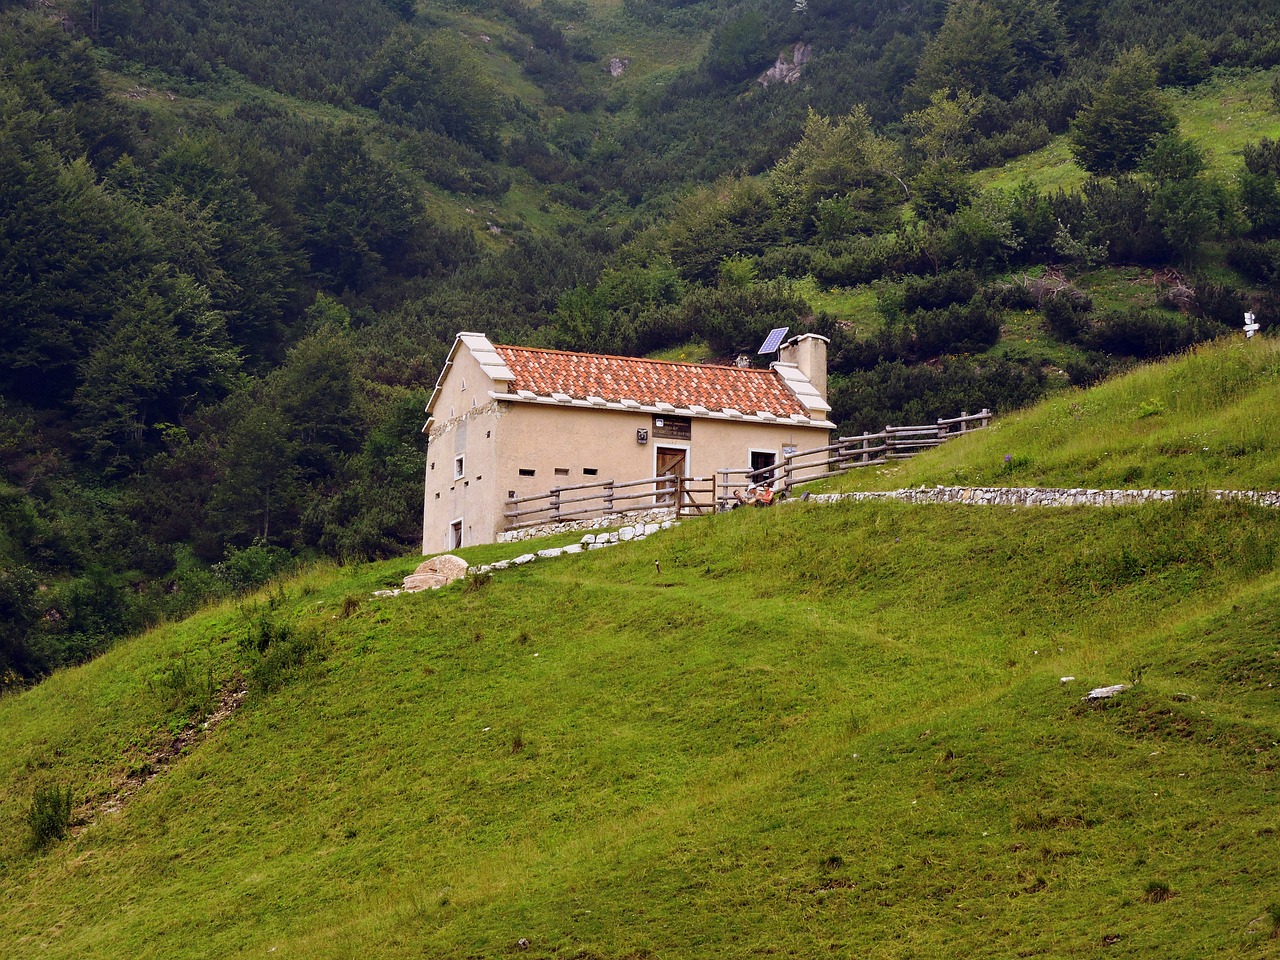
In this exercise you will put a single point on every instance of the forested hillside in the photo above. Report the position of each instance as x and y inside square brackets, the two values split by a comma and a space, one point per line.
[236, 240]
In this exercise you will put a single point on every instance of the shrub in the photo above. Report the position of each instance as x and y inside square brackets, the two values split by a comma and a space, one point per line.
[1260, 262]
[278, 650]
[243, 570]
[784, 261]
[49, 815]
[1219, 301]
[1147, 333]
[1090, 369]
[931, 293]
[1015, 296]
[182, 685]
[1116, 216]
[956, 329]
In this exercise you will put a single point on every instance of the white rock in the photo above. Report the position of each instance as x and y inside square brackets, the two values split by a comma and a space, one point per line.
[650, 528]
[550, 552]
[1104, 693]
[524, 558]
[589, 538]
[1065, 679]
[572, 548]
[626, 533]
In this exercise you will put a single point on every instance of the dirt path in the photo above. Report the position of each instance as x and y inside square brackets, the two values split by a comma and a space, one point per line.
[163, 757]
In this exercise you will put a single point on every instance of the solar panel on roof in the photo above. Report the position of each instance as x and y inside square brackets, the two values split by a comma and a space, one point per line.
[773, 340]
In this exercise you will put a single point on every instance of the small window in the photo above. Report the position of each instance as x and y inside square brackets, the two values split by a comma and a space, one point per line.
[589, 471]
[433, 464]
[511, 494]
[562, 471]
[488, 434]
[464, 384]
[526, 472]
[437, 496]
[458, 467]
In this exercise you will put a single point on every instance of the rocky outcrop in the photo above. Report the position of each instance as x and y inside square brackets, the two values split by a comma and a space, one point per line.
[788, 66]
[618, 66]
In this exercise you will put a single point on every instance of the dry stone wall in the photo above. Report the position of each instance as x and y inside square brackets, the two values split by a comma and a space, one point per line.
[630, 518]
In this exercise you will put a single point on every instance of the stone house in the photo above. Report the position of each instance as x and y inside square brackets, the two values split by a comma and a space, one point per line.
[508, 422]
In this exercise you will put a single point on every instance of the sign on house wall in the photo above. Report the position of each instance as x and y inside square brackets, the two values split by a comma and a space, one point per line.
[672, 428]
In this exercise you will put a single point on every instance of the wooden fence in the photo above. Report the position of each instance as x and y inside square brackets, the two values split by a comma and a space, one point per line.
[848, 453]
[692, 496]
[585, 501]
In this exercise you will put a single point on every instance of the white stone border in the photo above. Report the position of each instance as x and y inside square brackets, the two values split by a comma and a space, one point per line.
[592, 541]
[1037, 496]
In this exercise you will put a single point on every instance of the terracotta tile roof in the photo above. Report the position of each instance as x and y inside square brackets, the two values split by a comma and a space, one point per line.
[582, 375]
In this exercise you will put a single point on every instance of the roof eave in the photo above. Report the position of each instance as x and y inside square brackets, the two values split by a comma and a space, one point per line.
[623, 406]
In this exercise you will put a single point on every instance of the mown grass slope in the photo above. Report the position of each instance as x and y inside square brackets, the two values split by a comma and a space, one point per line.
[800, 731]
[1206, 419]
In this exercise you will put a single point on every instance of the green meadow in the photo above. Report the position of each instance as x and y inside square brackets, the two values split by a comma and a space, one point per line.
[1203, 420]
[1221, 115]
[815, 730]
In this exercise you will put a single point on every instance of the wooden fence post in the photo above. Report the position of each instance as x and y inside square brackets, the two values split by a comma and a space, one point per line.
[608, 496]
[555, 504]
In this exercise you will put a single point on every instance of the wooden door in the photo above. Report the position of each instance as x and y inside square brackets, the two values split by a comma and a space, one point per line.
[672, 461]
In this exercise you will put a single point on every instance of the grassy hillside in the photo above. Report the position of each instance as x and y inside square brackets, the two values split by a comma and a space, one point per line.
[821, 729]
[1202, 420]
[1220, 115]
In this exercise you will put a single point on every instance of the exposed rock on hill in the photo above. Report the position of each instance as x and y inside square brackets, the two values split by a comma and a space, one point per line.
[787, 70]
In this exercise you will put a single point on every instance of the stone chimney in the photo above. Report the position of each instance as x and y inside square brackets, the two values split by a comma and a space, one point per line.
[808, 352]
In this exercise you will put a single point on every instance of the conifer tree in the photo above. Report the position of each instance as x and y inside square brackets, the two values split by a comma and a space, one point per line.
[1127, 115]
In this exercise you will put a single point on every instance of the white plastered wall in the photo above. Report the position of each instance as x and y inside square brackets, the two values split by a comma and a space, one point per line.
[464, 422]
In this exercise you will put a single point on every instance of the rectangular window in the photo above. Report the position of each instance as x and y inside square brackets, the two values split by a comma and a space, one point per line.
[526, 472]
[458, 467]
[760, 461]
[562, 471]
[590, 471]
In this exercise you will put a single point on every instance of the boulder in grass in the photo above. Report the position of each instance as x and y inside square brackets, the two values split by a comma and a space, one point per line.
[1105, 693]
[435, 573]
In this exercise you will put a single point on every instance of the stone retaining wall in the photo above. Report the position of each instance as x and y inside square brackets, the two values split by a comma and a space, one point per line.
[1040, 496]
[630, 518]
